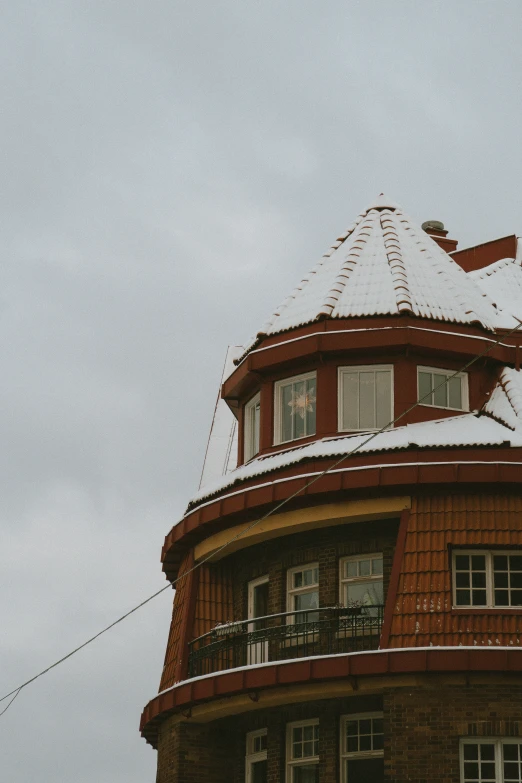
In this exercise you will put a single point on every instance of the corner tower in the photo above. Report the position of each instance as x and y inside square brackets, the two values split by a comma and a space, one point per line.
[349, 607]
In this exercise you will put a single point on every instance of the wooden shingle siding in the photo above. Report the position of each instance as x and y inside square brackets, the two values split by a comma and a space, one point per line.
[173, 653]
[423, 612]
[214, 600]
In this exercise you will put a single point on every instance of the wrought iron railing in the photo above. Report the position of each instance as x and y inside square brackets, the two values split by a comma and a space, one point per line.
[287, 635]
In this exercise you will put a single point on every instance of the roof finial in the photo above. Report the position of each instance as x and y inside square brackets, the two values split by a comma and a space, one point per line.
[383, 202]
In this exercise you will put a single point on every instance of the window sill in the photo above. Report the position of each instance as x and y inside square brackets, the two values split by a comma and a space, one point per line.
[293, 440]
[443, 408]
[486, 610]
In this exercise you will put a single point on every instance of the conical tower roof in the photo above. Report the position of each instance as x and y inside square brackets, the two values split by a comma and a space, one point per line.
[384, 264]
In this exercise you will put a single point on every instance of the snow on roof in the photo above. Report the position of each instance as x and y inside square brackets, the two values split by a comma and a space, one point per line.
[505, 404]
[458, 431]
[384, 264]
[502, 282]
[221, 454]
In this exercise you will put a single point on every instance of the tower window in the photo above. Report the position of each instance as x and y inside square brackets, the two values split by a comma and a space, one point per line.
[491, 761]
[302, 752]
[437, 388]
[489, 579]
[365, 397]
[362, 748]
[256, 764]
[361, 581]
[251, 424]
[303, 593]
[295, 406]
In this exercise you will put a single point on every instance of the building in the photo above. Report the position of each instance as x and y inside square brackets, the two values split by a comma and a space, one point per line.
[369, 629]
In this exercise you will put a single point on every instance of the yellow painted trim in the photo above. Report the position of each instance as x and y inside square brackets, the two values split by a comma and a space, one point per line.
[309, 518]
[356, 686]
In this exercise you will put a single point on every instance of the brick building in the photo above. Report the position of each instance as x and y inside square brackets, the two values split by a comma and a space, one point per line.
[370, 628]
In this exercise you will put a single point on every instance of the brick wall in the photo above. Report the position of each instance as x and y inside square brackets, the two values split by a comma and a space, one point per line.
[423, 727]
[422, 730]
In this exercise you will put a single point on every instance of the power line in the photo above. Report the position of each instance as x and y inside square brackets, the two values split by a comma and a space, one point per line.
[15, 692]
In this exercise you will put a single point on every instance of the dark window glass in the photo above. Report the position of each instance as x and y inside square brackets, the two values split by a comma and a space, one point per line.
[259, 772]
[365, 770]
[500, 562]
[308, 773]
[462, 562]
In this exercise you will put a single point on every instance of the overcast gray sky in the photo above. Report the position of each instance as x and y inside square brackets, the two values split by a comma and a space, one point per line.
[170, 170]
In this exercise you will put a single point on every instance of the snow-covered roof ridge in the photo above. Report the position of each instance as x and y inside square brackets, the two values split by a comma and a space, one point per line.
[505, 403]
[469, 429]
[383, 264]
[501, 281]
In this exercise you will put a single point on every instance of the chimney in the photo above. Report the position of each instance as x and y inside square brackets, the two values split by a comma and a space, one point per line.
[437, 232]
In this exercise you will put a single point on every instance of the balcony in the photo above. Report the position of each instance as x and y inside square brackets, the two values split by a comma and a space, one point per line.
[285, 636]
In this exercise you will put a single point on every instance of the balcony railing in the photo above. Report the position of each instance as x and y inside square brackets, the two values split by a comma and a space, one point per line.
[279, 637]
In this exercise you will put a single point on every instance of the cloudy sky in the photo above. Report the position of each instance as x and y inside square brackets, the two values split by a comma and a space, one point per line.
[170, 169]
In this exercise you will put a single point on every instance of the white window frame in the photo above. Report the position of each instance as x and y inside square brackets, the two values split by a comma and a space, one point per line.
[359, 754]
[292, 763]
[249, 438]
[252, 757]
[490, 583]
[278, 419]
[344, 580]
[341, 371]
[464, 388]
[293, 591]
[498, 742]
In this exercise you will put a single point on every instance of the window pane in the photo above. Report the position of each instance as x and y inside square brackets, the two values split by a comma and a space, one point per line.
[501, 598]
[455, 393]
[470, 752]
[364, 567]
[350, 417]
[516, 580]
[259, 772]
[350, 568]
[500, 562]
[515, 562]
[366, 593]
[367, 400]
[501, 579]
[383, 397]
[310, 406]
[478, 562]
[425, 387]
[478, 597]
[310, 576]
[298, 578]
[462, 562]
[462, 579]
[365, 770]
[286, 413]
[463, 598]
[377, 565]
[306, 602]
[440, 395]
[306, 773]
[259, 743]
[478, 579]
